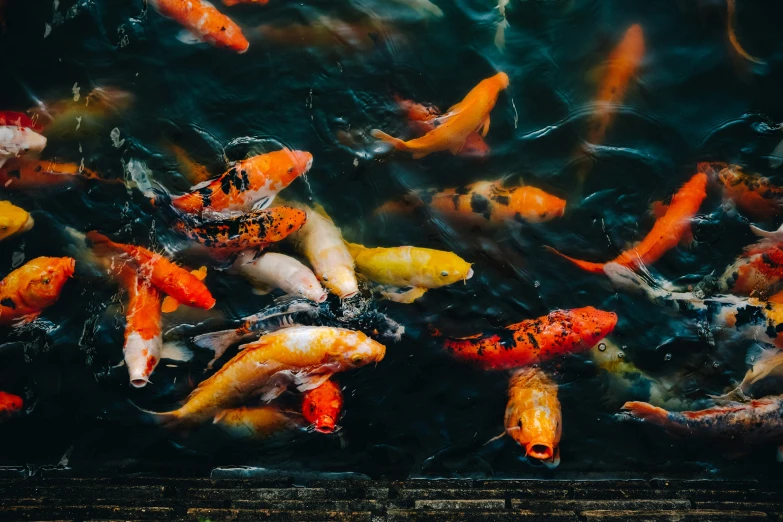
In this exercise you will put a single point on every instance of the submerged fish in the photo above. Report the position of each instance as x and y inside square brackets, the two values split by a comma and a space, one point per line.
[753, 195]
[9, 404]
[757, 272]
[533, 417]
[273, 270]
[203, 23]
[322, 406]
[143, 340]
[24, 173]
[249, 183]
[422, 7]
[560, 332]
[730, 9]
[255, 230]
[324, 32]
[66, 116]
[36, 285]
[667, 231]
[193, 171]
[304, 356]
[162, 273]
[259, 423]
[322, 244]
[484, 203]
[460, 121]
[13, 220]
[420, 269]
[18, 141]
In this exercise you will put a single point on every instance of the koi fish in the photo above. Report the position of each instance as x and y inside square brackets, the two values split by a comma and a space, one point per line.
[420, 269]
[730, 20]
[321, 406]
[143, 339]
[560, 332]
[249, 183]
[422, 120]
[322, 244]
[203, 23]
[9, 404]
[460, 121]
[757, 272]
[23, 173]
[753, 195]
[18, 141]
[324, 32]
[362, 315]
[256, 230]
[484, 203]
[18, 119]
[756, 422]
[36, 285]
[668, 230]
[258, 423]
[273, 270]
[13, 220]
[304, 356]
[195, 173]
[237, 2]
[162, 273]
[65, 117]
[533, 417]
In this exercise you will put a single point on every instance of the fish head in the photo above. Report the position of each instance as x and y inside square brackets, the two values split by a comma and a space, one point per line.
[10, 403]
[593, 324]
[362, 351]
[307, 286]
[13, 220]
[728, 175]
[34, 143]
[500, 80]
[286, 165]
[535, 429]
[446, 268]
[109, 98]
[536, 206]
[632, 45]
[342, 281]
[43, 279]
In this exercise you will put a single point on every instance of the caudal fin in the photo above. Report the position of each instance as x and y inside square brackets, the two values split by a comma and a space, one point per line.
[218, 342]
[647, 412]
[391, 140]
[167, 419]
[595, 268]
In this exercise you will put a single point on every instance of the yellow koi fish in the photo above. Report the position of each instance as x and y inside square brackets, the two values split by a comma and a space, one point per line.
[13, 220]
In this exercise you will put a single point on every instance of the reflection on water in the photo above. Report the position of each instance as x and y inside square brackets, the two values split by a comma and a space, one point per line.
[640, 140]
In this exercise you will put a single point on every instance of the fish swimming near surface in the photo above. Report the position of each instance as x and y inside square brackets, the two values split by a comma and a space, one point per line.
[143, 339]
[257, 423]
[453, 128]
[9, 404]
[757, 272]
[330, 34]
[81, 113]
[666, 233]
[193, 171]
[533, 418]
[753, 195]
[304, 356]
[36, 285]
[483, 203]
[203, 23]
[19, 141]
[255, 230]
[406, 267]
[248, 184]
[18, 119]
[14, 220]
[24, 174]
[162, 273]
[561, 332]
[322, 406]
[273, 270]
[322, 244]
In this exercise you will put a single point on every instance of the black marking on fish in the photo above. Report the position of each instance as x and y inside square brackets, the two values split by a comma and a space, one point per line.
[8, 303]
[462, 190]
[749, 315]
[14, 174]
[206, 196]
[532, 339]
[234, 178]
[455, 201]
[38, 168]
[503, 200]
[480, 205]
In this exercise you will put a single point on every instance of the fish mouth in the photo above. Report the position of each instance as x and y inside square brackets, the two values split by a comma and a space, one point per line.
[540, 450]
[325, 424]
[28, 225]
[68, 266]
[321, 298]
[139, 380]
[469, 275]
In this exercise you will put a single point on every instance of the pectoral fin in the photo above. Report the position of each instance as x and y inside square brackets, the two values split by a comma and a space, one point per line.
[485, 127]
[400, 295]
[189, 38]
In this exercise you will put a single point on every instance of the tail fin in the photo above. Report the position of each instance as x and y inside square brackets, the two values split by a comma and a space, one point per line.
[595, 268]
[140, 176]
[429, 7]
[764, 361]
[167, 419]
[647, 412]
[218, 342]
[391, 140]
[100, 244]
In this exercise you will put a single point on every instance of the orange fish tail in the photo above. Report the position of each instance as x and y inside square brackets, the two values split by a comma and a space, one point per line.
[595, 268]
[647, 412]
[391, 140]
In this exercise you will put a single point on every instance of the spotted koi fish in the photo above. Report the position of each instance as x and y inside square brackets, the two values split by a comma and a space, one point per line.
[255, 230]
[36, 285]
[249, 183]
[560, 332]
[757, 272]
[23, 173]
[533, 417]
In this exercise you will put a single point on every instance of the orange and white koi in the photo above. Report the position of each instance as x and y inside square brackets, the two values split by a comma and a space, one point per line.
[304, 356]
[255, 230]
[322, 406]
[9, 404]
[162, 273]
[18, 141]
[143, 339]
[667, 231]
[259, 423]
[24, 173]
[560, 332]
[249, 183]
[460, 121]
[757, 272]
[273, 270]
[752, 194]
[36, 285]
[533, 417]
[322, 243]
[203, 23]
[483, 203]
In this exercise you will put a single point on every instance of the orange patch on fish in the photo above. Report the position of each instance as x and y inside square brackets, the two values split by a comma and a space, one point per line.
[322, 406]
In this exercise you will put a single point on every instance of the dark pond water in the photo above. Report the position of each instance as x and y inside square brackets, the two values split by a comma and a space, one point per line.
[419, 412]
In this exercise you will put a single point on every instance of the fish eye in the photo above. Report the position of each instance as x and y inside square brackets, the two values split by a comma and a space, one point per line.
[444, 273]
[290, 170]
[46, 281]
[358, 359]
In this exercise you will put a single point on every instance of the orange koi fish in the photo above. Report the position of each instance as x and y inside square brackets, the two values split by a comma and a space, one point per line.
[753, 195]
[460, 121]
[422, 120]
[143, 339]
[204, 23]
[248, 183]
[533, 341]
[321, 406]
[484, 202]
[668, 230]
[533, 416]
[162, 273]
[305, 356]
[9, 404]
[194, 172]
[622, 66]
[743, 423]
[258, 423]
[255, 230]
[36, 285]
[22, 174]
